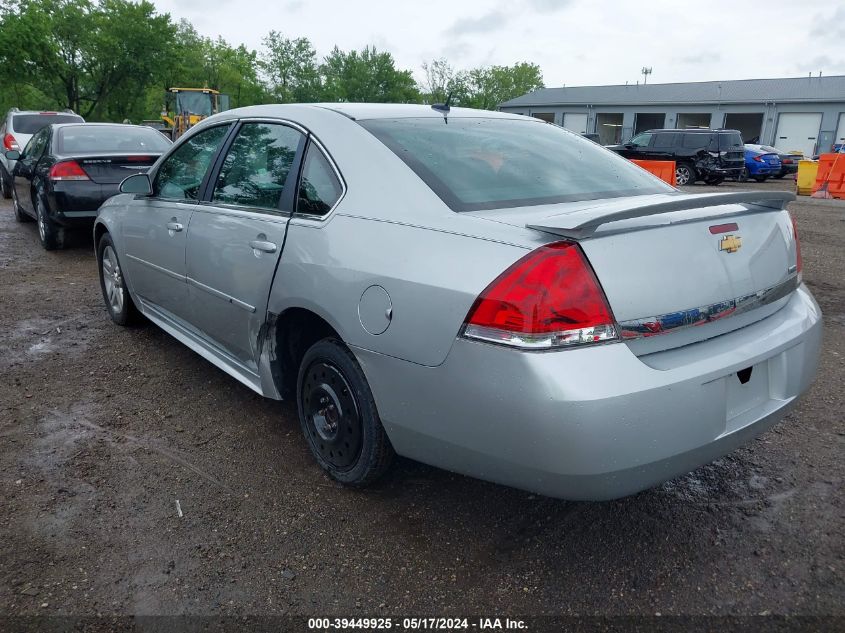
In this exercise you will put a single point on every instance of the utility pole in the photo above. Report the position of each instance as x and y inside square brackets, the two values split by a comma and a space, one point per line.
[646, 72]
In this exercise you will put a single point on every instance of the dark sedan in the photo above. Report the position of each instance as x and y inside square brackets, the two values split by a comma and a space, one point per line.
[66, 171]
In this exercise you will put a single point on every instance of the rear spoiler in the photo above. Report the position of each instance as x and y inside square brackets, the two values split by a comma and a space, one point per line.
[582, 224]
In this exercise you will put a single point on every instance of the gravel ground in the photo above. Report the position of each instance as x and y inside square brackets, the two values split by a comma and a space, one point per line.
[109, 433]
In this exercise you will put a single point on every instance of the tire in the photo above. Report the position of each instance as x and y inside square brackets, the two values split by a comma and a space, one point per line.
[714, 180]
[761, 178]
[5, 188]
[20, 215]
[50, 233]
[779, 176]
[345, 435]
[744, 176]
[119, 304]
[684, 174]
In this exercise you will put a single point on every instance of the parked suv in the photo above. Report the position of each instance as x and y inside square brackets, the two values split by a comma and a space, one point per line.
[708, 155]
[17, 128]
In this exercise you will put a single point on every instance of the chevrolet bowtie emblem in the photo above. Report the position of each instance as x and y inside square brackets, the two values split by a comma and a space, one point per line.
[730, 243]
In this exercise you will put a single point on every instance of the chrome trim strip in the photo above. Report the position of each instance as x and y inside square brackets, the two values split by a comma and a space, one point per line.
[220, 295]
[167, 272]
[675, 321]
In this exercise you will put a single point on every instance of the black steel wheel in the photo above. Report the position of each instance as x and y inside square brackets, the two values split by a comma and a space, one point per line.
[338, 415]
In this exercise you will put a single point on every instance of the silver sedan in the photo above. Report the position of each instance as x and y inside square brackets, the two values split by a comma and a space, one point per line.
[479, 291]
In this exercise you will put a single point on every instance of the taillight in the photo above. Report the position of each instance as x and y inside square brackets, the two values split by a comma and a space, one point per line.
[67, 170]
[758, 159]
[10, 143]
[548, 299]
[799, 264]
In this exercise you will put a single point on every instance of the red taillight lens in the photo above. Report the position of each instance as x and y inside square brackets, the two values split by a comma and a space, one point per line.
[798, 262]
[758, 159]
[10, 143]
[67, 170]
[548, 299]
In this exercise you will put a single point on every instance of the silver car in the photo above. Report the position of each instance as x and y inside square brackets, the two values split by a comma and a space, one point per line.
[475, 290]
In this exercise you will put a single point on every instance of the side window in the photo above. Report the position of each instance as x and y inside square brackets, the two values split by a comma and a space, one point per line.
[696, 141]
[181, 174]
[641, 140]
[664, 140]
[257, 165]
[35, 148]
[319, 188]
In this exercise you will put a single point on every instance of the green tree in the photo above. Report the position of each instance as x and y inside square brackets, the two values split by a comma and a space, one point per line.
[93, 57]
[368, 75]
[291, 68]
[487, 87]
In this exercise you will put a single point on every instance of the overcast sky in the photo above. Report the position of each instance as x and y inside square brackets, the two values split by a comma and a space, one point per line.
[575, 42]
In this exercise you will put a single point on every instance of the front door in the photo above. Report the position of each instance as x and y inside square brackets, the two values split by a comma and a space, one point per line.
[236, 237]
[154, 228]
[25, 170]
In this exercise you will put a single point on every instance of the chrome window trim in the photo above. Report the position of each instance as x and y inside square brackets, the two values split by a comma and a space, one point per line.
[682, 319]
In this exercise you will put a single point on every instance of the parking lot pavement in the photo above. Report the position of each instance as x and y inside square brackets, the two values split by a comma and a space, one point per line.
[137, 478]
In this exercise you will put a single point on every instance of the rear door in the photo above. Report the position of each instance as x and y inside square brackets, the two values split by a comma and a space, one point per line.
[154, 228]
[236, 236]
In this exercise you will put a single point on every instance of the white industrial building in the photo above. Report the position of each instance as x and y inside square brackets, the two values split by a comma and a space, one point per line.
[806, 114]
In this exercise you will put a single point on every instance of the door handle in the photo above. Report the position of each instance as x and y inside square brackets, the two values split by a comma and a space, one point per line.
[261, 245]
[174, 226]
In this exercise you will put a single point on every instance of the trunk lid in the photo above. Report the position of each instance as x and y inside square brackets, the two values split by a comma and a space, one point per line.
[673, 261]
[111, 169]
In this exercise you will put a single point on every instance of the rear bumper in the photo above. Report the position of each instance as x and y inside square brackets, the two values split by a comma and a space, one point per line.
[75, 203]
[599, 422]
[727, 172]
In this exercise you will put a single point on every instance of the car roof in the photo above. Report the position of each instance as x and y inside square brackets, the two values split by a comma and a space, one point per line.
[691, 131]
[85, 124]
[362, 111]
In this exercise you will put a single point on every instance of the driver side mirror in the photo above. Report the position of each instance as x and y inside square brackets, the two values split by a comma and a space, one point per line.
[138, 184]
[13, 154]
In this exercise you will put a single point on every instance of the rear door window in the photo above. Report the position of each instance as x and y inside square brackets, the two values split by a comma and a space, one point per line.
[696, 141]
[31, 123]
[319, 187]
[257, 166]
[181, 174]
[732, 140]
[664, 140]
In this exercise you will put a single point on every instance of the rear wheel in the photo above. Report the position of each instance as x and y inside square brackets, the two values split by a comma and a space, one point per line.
[761, 178]
[338, 415]
[779, 176]
[50, 233]
[684, 174]
[121, 308]
[744, 176]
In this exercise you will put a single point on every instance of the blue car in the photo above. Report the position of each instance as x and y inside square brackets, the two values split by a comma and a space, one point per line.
[760, 163]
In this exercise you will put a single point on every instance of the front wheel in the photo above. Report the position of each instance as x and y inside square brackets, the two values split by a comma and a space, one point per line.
[684, 175]
[121, 308]
[338, 415]
[5, 189]
[20, 216]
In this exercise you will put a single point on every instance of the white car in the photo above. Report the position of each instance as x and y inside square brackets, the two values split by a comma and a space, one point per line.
[18, 127]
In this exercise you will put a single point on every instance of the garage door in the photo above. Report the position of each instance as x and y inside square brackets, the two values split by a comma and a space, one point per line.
[576, 122]
[798, 131]
[840, 130]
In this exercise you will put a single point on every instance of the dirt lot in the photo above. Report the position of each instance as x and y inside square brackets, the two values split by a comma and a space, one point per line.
[104, 429]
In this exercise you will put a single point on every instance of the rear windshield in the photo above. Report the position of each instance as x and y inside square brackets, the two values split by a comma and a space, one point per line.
[482, 163]
[31, 123]
[86, 139]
